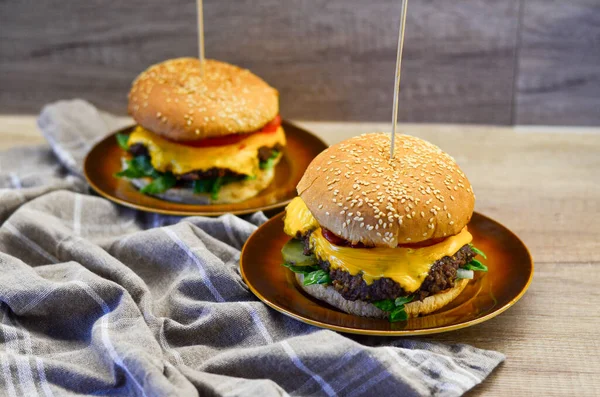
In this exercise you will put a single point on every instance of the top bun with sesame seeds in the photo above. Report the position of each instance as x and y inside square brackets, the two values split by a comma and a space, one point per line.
[354, 190]
[174, 100]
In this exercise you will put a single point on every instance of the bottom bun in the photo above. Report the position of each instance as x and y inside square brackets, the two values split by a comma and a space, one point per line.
[230, 193]
[360, 308]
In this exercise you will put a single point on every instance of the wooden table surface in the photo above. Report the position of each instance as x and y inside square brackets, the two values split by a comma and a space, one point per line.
[544, 184]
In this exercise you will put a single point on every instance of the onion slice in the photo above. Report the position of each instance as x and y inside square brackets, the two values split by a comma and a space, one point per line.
[464, 273]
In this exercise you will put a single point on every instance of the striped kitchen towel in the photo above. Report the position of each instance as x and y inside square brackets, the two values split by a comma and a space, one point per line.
[99, 299]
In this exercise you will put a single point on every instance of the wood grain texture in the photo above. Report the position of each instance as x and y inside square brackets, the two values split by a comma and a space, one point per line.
[19, 131]
[331, 59]
[559, 63]
[544, 187]
[549, 337]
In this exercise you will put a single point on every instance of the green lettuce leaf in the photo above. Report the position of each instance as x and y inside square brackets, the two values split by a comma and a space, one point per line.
[213, 186]
[387, 305]
[312, 274]
[398, 314]
[402, 300]
[214, 191]
[477, 251]
[302, 269]
[475, 265]
[270, 162]
[395, 307]
[317, 277]
[139, 167]
[160, 185]
[122, 140]
[130, 172]
[203, 186]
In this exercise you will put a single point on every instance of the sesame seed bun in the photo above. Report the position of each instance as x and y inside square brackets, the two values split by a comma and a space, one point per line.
[172, 99]
[357, 192]
[428, 305]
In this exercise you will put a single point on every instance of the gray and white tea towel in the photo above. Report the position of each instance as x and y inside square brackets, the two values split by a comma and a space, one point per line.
[97, 299]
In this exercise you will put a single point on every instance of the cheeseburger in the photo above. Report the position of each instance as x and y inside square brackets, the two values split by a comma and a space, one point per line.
[381, 237]
[211, 137]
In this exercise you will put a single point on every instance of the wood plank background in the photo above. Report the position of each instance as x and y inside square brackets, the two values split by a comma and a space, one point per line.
[559, 63]
[466, 61]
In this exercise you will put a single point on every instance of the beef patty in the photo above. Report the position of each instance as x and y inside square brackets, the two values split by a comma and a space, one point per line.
[441, 276]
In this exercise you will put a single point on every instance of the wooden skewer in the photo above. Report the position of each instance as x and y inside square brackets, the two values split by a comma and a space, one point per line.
[398, 72]
[200, 35]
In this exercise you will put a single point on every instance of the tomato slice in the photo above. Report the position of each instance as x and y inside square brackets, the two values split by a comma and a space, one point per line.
[423, 244]
[270, 128]
[336, 240]
[218, 141]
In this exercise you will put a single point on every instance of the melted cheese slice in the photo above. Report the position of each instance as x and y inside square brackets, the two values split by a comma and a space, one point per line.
[407, 266]
[241, 157]
[298, 218]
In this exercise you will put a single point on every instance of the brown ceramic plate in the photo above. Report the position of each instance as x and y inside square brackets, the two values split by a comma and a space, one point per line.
[509, 275]
[104, 160]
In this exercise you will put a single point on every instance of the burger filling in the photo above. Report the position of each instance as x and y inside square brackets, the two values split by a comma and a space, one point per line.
[386, 277]
[441, 276]
[202, 166]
